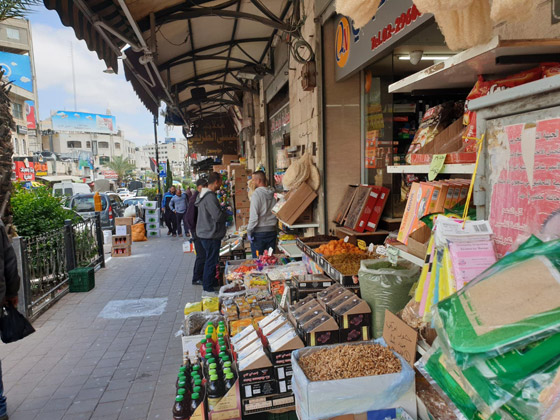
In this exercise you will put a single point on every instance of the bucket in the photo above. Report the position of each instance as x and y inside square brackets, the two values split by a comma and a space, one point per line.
[107, 234]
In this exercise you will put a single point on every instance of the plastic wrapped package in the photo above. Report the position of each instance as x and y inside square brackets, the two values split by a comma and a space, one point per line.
[232, 290]
[384, 286]
[193, 307]
[211, 304]
[508, 386]
[325, 399]
[196, 322]
[478, 322]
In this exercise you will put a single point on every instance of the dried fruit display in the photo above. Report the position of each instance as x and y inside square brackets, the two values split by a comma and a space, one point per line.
[338, 247]
[349, 361]
[349, 264]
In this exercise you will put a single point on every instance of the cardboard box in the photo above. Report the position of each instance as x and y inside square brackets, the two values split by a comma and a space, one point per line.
[258, 389]
[362, 198]
[121, 251]
[386, 414]
[152, 212]
[284, 371]
[152, 226]
[284, 385]
[227, 159]
[242, 202]
[312, 281]
[121, 241]
[417, 205]
[123, 230]
[296, 203]
[268, 403]
[219, 168]
[149, 205]
[153, 233]
[306, 217]
[345, 203]
[152, 218]
[320, 331]
[229, 407]
[377, 211]
[367, 210]
[124, 221]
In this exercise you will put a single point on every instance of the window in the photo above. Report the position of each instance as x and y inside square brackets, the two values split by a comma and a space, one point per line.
[12, 34]
[88, 144]
[16, 146]
[103, 145]
[103, 160]
[23, 148]
[74, 144]
[17, 111]
[117, 146]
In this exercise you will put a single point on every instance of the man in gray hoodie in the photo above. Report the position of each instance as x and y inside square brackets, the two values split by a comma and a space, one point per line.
[210, 229]
[262, 226]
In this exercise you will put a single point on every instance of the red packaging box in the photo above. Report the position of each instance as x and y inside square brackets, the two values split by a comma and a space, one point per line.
[375, 217]
[367, 210]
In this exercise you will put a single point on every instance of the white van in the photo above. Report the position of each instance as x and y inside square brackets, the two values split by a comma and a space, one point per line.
[69, 189]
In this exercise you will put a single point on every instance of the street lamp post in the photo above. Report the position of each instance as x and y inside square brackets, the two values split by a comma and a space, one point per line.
[157, 158]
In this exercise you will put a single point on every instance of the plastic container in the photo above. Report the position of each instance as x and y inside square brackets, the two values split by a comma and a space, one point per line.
[81, 279]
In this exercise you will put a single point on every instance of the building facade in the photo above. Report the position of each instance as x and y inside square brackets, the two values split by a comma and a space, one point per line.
[16, 58]
[175, 151]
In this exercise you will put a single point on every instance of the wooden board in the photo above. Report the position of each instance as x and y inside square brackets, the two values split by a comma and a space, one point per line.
[345, 204]
[360, 199]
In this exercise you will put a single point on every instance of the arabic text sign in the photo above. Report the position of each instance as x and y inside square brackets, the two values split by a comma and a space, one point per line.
[214, 136]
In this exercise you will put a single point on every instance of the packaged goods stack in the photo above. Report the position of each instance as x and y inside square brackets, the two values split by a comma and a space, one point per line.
[122, 240]
[152, 219]
[241, 193]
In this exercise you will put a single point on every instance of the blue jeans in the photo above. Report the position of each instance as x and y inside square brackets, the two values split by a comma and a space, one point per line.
[3, 407]
[198, 271]
[262, 241]
[212, 249]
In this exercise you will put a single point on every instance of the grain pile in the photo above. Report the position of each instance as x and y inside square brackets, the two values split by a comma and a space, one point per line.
[349, 361]
[349, 264]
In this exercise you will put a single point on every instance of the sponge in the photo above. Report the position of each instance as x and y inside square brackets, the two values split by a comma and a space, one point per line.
[360, 11]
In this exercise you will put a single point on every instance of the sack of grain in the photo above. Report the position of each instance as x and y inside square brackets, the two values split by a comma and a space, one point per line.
[512, 10]
[360, 11]
[435, 6]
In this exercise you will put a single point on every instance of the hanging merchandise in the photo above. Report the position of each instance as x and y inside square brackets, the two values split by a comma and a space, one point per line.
[512, 10]
[300, 171]
[462, 28]
[360, 11]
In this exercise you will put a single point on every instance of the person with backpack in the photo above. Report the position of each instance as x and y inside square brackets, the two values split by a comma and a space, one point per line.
[211, 229]
[192, 216]
[168, 216]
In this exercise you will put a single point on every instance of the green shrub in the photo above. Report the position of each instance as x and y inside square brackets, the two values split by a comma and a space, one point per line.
[151, 193]
[37, 211]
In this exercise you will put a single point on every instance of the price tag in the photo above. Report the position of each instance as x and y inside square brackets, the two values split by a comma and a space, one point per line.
[438, 162]
[400, 337]
[380, 250]
[370, 248]
[393, 255]
[362, 245]
[284, 297]
[270, 251]
[346, 239]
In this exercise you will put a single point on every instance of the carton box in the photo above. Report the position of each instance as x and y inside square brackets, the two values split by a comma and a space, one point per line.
[258, 389]
[152, 226]
[227, 159]
[386, 414]
[229, 407]
[312, 281]
[377, 211]
[303, 320]
[267, 403]
[124, 221]
[150, 205]
[284, 385]
[296, 202]
[219, 168]
[345, 203]
[367, 211]
[320, 331]
[152, 218]
[152, 212]
[306, 217]
[417, 205]
[121, 251]
[362, 198]
[153, 233]
[284, 371]
[242, 202]
[123, 230]
[282, 345]
[121, 241]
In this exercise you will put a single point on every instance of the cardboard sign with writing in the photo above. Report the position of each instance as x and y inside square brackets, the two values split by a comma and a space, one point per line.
[438, 162]
[400, 337]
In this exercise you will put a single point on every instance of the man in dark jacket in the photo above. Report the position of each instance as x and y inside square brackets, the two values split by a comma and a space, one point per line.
[168, 215]
[210, 228]
[192, 215]
[9, 286]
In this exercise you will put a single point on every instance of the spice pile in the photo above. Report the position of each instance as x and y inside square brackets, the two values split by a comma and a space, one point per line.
[348, 264]
[349, 361]
[338, 247]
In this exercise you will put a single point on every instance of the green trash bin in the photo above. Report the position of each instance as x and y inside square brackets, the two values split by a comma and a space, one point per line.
[81, 279]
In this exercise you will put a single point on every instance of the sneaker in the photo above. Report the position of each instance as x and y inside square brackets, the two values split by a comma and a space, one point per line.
[168, 233]
[206, 294]
[174, 236]
[197, 283]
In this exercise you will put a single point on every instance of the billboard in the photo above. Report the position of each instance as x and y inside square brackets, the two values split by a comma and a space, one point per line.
[84, 122]
[30, 115]
[17, 69]
[23, 169]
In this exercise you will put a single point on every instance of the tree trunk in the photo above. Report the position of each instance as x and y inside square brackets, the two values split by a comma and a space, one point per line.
[7, 125]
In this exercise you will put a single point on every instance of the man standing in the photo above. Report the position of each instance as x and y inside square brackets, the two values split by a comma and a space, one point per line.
[9, 286]
[168, 216]
[192, 216]
[178, 206]
[210, 228]
[261, 229]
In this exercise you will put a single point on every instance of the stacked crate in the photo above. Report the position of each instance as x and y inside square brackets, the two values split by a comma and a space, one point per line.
[240, 190]
[122, 240]
[152, 219]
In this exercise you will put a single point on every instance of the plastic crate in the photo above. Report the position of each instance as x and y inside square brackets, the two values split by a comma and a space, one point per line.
[81, 279]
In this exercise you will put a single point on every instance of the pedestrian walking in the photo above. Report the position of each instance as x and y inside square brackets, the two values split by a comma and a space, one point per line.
[168, 215]
[211, 229]
[9, 286]
[178, 205]
[262, 226]
[192, 216]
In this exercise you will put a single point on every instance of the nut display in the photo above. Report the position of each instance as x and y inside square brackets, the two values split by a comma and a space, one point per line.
[348, 264]
[338, 247]
[349, 361]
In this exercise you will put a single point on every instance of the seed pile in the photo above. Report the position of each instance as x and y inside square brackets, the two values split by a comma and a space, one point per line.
[348, 264]
[344, 362]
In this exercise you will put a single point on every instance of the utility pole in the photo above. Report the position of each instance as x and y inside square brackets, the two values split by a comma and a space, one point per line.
[157, 157]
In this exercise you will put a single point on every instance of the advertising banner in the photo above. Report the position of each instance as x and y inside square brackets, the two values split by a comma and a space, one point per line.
[17, 69]
[23, 169]
[30, 115]
[214, 136]
[84, 122]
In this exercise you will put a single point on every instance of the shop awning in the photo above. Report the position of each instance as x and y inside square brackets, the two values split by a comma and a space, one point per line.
[60, 178]
[197, 56]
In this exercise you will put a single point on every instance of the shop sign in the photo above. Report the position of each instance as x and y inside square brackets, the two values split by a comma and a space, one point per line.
[214, 136]
[21, 129]
[41, 168]
[23, 170]
[354, 48]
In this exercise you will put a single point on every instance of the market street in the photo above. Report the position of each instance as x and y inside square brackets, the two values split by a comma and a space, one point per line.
[79, 365]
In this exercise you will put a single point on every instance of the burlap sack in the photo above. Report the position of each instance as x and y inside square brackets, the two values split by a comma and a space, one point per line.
[435, 6]
[512, 10]
[360, 11]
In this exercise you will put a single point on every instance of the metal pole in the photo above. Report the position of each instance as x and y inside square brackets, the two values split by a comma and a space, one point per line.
[157, 156]
[69, 245]
[100, 239]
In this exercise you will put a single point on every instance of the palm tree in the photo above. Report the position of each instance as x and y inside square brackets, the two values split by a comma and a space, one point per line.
[122, 166]
[8, 9]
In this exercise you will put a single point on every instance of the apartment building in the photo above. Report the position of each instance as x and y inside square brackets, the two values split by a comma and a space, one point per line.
[174, 150]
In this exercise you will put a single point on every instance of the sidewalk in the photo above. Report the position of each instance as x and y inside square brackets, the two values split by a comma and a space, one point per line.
[79, 365]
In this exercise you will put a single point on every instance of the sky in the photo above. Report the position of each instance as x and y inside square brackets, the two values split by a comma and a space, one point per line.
[96, 92]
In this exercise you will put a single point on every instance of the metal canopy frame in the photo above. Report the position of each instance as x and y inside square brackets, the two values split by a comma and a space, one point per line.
[167, 67]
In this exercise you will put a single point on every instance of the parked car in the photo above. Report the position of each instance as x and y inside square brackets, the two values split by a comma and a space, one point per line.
[69, 189]
[123, 193]
[111, 207]
[134, 201]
